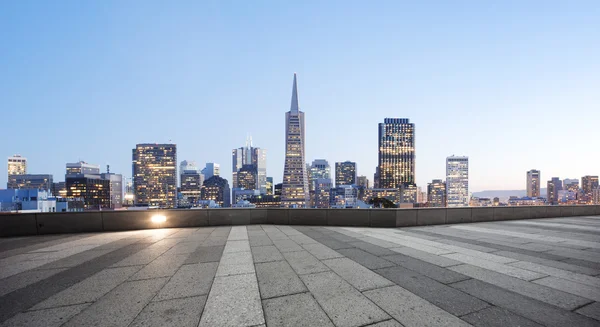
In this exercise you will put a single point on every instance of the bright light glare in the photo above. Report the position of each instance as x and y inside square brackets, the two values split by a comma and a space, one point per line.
[159, 218]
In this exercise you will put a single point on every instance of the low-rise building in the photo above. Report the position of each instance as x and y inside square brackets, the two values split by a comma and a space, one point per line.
[24, 200]
[526, 201]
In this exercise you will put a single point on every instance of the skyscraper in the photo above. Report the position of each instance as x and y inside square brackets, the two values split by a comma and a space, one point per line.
[115, 188]
[322, 192]
[571, 184]
[362, 181]
[319, 169]
[155, 174]
[270, 185]
[191, 183]
[436, 193]
[457, 181]
[588, 185]
[553, 187]
[345, 173]
[216, 188]
[396, 154]
[17, 165]
[533, 183]
[246, 156]
[83, 180]
[211, 169]
[294, 193]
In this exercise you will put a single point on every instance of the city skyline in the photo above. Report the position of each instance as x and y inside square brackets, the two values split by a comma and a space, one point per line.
[470, 82]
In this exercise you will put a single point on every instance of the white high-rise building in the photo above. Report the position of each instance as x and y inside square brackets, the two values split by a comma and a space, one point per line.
[252, 159]
[457, 181]
[294, 191]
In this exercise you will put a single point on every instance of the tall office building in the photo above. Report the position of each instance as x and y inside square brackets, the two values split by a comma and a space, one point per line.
[571, 184]
[115, 188]
[270, 185]
[396, 164]
[294, 193]
[246, 156]
[436, 193]
[83, 180]
[247, 178]
[211, 169]
[362, 181]
[457, 181]
[322, 192]
[554, 185]
[155, 174]
[345, 173]
[533, 183]
[30, 182]
[588, 185]
[16, 165]
[216, 188]
[318, 169]
[191, 186]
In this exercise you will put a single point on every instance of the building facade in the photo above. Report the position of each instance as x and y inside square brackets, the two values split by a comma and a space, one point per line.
[155, 175]
[115, 182]
[322, 192]
[249, 155]
[294, 193]
[30, 182]
[270, 185]
[588, 185]
[436, 193]
[571, 184]
[396, 160]
[247, 178]
[27, 200]
[191, 187]
[533, 183]
[84, 181]
[457, 181]
[211, 169]
[554, 185]
[216, 189]
[345, 173]
[17, 165]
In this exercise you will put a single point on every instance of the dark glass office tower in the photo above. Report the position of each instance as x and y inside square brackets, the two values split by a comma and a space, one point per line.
[396, 153]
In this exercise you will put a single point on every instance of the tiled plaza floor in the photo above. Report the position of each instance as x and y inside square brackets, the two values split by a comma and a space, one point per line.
[543, 272]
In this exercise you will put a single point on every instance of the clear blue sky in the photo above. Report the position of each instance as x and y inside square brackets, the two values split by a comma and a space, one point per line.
[514, 85]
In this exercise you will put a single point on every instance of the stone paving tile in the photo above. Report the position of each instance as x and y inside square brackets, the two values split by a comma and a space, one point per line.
[529, 308]
[592, 311]
[237, 246]
[90, 289]
[587, 291]
[235, 263]
[304, 263]
[233, 301]
[260, 241]
[295, 310]
[410, 309]
[287, 246]
[183, 312]
[24, 279]
[550, 263]
[372, 248]
[189, 280]
[205, 254]
[387, 323]
[440, 274]
[302, 239]
[445, 297]
[238, 233]
[579, 278]
[342, 303]
[124, 303]
[534, 291]
[427, 257]
[494, 266]
[321, 252]
[163, 266]
[366, 259]
[356, 275]
[277, 279]
[334, 244]
[266, 253]
[497, 317]
[54, 317]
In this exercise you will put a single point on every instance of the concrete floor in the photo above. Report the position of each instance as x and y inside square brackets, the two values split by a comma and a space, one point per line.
[543, 272]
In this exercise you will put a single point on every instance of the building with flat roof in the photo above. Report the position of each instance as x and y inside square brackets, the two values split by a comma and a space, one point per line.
[31, 182]
[533, 183]
[217, 189]
[457, 181]
[345, 173]
[396, 159]
[155, 175]
[553, 186]
[436, 193]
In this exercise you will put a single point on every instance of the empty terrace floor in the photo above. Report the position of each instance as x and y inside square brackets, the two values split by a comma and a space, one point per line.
[543, 272]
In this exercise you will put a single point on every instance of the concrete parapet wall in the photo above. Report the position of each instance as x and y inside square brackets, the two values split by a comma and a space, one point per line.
[17, 224]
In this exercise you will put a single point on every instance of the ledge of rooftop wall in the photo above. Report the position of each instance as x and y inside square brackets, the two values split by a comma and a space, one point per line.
[18, 224]
[278, 216]
[458, 215]
[348, 217]
[382, 217]
[308, 217]
[552, 211]
[521, 212]
[129, 219]
[481, 214]
[588, 210]
[597, 209]
[503, 213]
[228, 216]
[406, 217]
[431, 216]
[185, 218]
[566, 211]
[538, 211]
[258, 216]
[69, 222]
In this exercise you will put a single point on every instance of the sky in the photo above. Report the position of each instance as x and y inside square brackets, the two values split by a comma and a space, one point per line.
[514, 85]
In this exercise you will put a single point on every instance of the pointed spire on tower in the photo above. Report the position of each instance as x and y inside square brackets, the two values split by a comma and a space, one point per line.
[295, 107]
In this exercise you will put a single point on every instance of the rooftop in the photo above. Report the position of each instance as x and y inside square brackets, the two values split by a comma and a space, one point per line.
[543, 272]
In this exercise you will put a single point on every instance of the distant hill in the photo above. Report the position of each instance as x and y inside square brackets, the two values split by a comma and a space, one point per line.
[503, 195]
